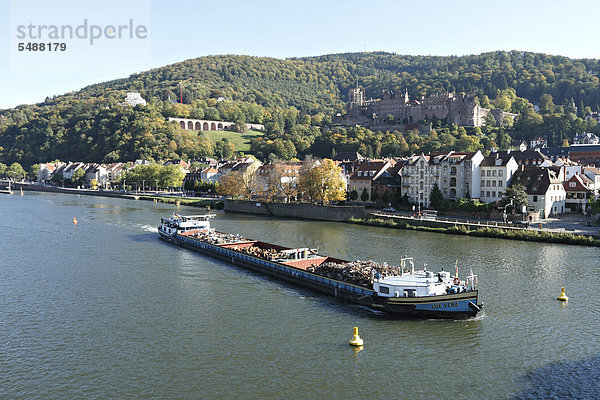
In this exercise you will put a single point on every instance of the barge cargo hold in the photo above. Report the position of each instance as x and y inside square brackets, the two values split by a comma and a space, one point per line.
[409, 293]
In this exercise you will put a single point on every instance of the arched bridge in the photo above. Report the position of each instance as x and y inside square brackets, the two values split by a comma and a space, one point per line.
[207, 125]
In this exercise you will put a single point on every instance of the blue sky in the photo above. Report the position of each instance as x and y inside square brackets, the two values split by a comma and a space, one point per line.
[180, 30]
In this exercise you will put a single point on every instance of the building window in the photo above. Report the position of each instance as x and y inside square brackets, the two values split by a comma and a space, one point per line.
[493, 172]
[493, 194]
[482, 183]
[493, 183]
[489, 172]
[487, 194]
[500, 173]
[482, 173]
[482, 194]
[500, 184]
[488, 184]
[534, 199]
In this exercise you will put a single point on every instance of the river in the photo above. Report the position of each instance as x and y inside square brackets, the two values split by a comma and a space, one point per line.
[103, 309]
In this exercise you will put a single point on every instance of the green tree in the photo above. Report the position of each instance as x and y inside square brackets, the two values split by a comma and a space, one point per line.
[33, 172]
[15, 171]
[546, 103]
[78, 177]
[364, 196]
[224, 149]
[436, 197]
[516, 195]
[490, 120]
[170, 176]
[386, 197]
[374, 196]
[3, 169]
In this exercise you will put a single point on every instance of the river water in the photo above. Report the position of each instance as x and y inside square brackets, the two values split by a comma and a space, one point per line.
[103, 309]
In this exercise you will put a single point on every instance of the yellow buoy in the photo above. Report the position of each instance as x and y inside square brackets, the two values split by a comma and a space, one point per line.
[563, 296]
[74, 220]
[356, 340]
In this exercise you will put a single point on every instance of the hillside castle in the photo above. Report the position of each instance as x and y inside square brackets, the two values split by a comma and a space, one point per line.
[460, 109]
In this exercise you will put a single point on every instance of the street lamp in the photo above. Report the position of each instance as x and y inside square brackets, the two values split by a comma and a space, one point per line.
[143, 185]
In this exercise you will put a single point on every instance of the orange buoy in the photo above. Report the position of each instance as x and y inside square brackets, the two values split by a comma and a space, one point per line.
[74, 220]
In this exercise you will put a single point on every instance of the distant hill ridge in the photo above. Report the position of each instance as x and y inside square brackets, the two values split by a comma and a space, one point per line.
[294, 98]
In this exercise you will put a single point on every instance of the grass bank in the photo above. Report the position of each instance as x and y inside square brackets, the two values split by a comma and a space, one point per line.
[215, 204]
[241, 141]
[528, 235]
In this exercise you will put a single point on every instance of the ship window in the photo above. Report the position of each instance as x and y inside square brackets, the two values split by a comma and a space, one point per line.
[384, 289]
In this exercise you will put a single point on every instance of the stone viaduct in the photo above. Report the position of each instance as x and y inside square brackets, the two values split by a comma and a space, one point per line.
[206, 125]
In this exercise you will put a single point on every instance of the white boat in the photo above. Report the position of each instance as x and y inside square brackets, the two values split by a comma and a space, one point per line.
[7, 190]
[177, 224]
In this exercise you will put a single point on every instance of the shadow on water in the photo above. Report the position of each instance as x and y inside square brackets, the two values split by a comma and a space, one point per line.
[564, 380]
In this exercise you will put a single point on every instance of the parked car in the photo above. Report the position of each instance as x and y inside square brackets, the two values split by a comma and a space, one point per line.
[389, 209]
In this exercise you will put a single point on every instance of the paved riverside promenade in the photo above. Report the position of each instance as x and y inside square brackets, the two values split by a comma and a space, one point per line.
[565, 223]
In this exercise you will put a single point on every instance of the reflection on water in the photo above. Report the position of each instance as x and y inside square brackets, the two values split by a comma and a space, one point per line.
[564, 380]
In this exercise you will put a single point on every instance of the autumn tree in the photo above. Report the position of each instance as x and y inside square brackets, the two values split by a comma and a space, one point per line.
[289, 181]
[271, 181]
[323, 182]
[231, 184]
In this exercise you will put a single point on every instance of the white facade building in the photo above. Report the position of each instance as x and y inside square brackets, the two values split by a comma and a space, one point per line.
[495, 174]
[454, 173]
[544, 189]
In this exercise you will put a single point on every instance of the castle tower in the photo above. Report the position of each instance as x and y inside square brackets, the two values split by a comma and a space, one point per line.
[356, 98]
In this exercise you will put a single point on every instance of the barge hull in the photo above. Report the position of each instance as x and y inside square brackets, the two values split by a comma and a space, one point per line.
[445, 306]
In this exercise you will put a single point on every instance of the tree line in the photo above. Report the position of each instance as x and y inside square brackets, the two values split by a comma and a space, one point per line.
[317, 181]
[296, 100]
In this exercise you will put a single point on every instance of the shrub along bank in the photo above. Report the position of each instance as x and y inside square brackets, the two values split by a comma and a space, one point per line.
[521, 234]
[216, 203]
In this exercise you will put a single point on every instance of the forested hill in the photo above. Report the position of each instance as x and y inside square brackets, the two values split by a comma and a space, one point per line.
[320, 83]
[294, 98]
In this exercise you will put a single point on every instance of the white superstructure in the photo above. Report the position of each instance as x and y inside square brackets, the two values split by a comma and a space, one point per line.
[421, 283]
[184, 223]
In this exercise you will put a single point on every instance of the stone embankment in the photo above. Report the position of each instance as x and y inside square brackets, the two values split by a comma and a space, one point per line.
[296, 210]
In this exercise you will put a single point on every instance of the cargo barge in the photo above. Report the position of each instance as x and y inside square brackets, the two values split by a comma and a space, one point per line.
[399, 291]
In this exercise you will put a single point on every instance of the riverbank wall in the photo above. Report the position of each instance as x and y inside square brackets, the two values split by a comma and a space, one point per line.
[296, 210]
[55, 189]
[184, 201]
